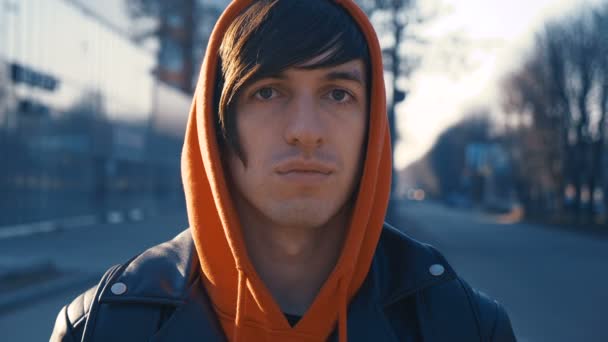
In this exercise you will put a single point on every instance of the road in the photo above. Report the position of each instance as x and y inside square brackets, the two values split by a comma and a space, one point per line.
[552, 282]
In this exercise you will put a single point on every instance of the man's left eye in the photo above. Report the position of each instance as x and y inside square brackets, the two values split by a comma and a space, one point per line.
[338, 95]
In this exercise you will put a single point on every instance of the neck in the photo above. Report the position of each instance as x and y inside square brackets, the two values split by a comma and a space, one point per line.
[293, 262]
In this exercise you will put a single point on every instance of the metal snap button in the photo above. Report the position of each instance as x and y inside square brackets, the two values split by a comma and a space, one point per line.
[436, 270]
[119, 288]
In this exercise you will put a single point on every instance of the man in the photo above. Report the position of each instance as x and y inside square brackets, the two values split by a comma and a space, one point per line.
[286, 169]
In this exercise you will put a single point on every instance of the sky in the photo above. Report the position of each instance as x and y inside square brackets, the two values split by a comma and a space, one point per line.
[492, 37]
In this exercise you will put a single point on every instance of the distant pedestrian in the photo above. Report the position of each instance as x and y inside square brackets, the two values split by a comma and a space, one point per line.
[286, 169]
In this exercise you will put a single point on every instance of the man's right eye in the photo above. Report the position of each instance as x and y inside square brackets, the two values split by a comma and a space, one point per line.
[265, 93]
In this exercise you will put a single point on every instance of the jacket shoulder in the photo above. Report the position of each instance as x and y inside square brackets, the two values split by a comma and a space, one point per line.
[160, 275]
[403, 265]
[494, 322]
[72, 318]
[446, 304]
[69, 324]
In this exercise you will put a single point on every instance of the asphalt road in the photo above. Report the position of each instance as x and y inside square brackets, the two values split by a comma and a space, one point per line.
[552, 282]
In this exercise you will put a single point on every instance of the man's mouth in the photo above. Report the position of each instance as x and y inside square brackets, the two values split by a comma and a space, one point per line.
[304, 172]
[302, 166]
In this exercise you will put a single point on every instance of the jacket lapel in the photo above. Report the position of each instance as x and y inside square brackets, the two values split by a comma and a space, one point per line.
[194, 320]
[367, 320]
[404, 270]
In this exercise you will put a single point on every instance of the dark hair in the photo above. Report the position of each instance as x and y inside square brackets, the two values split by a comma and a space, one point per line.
[273, 35]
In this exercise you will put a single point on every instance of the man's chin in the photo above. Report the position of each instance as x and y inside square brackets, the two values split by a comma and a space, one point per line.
[302, 216]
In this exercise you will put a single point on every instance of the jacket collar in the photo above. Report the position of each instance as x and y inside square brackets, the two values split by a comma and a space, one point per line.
[403, 266]
[168, 274]
[162, 274]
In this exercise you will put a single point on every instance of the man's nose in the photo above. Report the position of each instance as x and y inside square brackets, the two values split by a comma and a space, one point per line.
[305, 127]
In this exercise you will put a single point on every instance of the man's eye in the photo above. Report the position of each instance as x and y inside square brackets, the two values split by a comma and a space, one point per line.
[265, 93]
[338, 95]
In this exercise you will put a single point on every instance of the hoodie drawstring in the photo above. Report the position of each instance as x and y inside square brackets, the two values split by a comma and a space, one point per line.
[342, 311]
[240, 306]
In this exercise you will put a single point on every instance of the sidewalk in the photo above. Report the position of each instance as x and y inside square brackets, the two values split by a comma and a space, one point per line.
[73, 222]
[37, 264]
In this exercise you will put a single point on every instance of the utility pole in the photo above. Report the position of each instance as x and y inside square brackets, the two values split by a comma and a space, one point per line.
[392, 215]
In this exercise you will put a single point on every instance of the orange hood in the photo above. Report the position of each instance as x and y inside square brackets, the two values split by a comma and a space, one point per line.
[245, 307]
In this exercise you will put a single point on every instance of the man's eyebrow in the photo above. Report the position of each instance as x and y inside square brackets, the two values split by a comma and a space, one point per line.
[281, 76]
[352, 75]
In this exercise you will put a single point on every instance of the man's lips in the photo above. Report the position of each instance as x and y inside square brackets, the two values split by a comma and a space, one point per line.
[301, 166]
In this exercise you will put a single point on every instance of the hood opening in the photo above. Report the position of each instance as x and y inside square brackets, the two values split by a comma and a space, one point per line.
[244, 305]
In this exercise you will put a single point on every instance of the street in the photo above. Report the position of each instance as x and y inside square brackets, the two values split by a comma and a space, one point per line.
[552, 282]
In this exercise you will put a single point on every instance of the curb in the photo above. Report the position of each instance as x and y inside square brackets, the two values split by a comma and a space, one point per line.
[20, 266]
[70, 223]
[31, 294]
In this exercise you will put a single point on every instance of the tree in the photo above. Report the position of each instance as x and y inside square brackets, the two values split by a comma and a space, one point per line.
[182, 28]
[447, 156]
[535, 94]
[562, 87]
[443, 171]
[394, 18]
[600, 31]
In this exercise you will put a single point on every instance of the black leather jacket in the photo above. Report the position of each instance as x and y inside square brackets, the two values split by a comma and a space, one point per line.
[410, 294]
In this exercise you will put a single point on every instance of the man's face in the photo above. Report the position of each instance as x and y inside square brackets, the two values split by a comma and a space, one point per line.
[302, 134]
